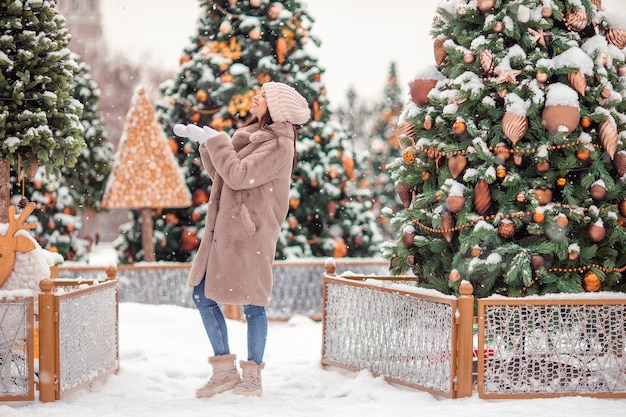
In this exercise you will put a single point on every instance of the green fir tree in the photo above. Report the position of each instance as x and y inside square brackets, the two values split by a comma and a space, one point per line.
[239, 46]
[513, 157]
[39, 117]
[64, 200]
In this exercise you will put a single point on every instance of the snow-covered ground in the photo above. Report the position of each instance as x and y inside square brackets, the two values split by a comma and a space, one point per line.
[163, 351]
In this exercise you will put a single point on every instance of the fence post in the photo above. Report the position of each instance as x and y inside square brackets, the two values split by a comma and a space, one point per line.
[47, 344]
[465, 340]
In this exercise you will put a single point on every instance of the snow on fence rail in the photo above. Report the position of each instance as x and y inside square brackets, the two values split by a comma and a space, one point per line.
[297, 284]
[76, 322]
[566, 344]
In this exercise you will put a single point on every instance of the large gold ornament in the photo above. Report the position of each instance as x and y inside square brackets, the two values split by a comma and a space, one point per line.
[482, 197]
[608, 137]
[575, 20]
[578, 82]
[617, 37]
[514, 126]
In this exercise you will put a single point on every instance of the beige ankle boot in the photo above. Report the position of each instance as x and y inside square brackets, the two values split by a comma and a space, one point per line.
[225, 376]
[250, 379]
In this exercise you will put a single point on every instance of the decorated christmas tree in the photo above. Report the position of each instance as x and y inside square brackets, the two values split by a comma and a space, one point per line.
[65, 200]
[513, 154]
[238, 46]
[39, 117]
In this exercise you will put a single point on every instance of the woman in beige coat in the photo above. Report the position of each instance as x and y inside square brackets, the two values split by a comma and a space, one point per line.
[249, 202]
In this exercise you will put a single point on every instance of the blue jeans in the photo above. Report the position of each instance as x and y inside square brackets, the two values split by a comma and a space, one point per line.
[215, 325]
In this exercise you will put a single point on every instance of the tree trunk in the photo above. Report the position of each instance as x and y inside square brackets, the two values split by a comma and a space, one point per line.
[146, 235]
[5, 186]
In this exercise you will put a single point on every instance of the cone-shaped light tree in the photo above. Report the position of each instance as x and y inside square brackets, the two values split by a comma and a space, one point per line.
[39, 117]
[145, 174]
[238, 46]
[513, 158]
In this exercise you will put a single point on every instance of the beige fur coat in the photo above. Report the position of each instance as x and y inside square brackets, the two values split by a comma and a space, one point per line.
[248, 204]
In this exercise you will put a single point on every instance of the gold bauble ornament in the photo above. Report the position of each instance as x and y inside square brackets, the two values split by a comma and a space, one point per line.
[537, 261]
[543, 166]
[597, 192]
[596, 232]
[542, 77]
[485, 5]
[468, 58]
[408, 239]
[274, 10]
[546, 12]
[454, 276]
[455, 203]
[591, 282]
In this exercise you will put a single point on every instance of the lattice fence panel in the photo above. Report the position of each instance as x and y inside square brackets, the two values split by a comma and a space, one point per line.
[297, 288]
[554, 349]
[402, 337]
[16, 366]
[88, 336]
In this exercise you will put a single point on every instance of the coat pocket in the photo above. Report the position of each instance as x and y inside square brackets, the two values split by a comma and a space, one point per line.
[246, 220]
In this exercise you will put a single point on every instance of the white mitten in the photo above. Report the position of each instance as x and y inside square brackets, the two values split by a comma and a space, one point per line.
[192, 132]
[211, 132]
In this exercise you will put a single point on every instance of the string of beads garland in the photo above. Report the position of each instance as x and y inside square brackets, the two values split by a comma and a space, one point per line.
[506, 216]
[579, 269]
[435, 154]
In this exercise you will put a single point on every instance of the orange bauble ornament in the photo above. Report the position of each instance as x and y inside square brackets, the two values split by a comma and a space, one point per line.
[201, 96]
[459, 127]
[591, 282]
[583, 154]
[341, 249]
[454, 275]
[199, 196]
[538, 217]
[189, 240]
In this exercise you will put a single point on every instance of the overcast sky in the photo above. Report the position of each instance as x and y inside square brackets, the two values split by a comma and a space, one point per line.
[360, 38]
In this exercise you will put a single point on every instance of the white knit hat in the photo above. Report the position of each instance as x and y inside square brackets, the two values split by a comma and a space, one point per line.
[285, 103]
